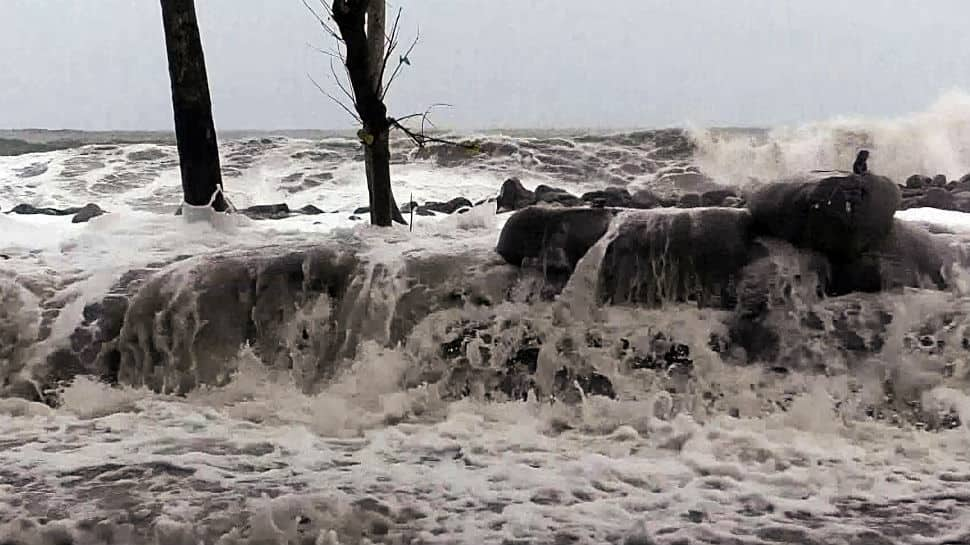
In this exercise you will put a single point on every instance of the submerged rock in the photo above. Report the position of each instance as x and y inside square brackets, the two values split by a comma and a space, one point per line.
[838, 216]
[87, 213]
[449, 207]
[310, 210]
[29, 209]
[267, 211]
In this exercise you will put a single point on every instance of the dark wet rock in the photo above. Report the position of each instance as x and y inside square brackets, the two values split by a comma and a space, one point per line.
[918, 181]
[645, 199]
[839, 216]
[669, 255]
[87, 213]
[267, 211]
[556, 195]
[422, 211]
[353, 218]
[449, 207]
[153, 154]
[513, 196]
[552, 239]
[733, 202]
[361, 210]
[310, 210]
[29, 209]
[938, 181]
[613, 197]
[408, 206]
[936, 197]
[717, 197]
[689, 200]
[907, 257]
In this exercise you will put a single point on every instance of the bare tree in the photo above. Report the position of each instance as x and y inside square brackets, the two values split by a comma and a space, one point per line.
[366, 49]
[194, 130]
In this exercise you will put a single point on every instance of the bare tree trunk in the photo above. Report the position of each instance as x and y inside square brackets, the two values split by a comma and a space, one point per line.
[377, 155]
[194, 130]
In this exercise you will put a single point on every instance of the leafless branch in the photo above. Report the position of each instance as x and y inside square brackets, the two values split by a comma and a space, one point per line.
[391, 42]
[400, 63]
[327, 52]
[420, 139]
[323, 22]
[335, 99]
[341, 85]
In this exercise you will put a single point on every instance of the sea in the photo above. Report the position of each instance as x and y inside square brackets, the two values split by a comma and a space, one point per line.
[380, 448]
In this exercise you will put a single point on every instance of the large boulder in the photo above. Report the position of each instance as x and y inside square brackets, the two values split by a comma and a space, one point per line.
[665, 255]
[840, 216]
[513, 196]
[908, 256]
[553, 239]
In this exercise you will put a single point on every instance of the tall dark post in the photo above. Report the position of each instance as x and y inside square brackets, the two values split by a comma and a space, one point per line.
[194, 129]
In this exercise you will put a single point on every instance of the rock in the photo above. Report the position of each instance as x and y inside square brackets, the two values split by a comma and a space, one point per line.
[733, 202]
[310, 210]
[354, 218]
[907, 257]
[938, 181]
[556, 195]
[690, 200]
[936, 197]
[408, 206]
[361, 210]
[267, 211]
[422, 211]
[449, 207]
[917, 181]
[717, 197]
[28, 209]
[513, 196]
[85, 214]
[612, 197]
[554, 238]
[645, 199]
[666, 255]
[840, 216]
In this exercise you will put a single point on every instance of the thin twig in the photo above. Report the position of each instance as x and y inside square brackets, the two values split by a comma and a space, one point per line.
[326, 26]
[335, 99]
[420, 139]
[400, 63]
[341, 85]
[391, 42]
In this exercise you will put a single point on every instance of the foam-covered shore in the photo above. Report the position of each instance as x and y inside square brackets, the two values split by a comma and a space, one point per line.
[315, 380]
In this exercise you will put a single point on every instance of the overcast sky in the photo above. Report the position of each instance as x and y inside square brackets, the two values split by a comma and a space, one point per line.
[100, 64]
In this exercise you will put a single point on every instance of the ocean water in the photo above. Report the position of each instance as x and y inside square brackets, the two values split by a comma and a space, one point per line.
[378, 452]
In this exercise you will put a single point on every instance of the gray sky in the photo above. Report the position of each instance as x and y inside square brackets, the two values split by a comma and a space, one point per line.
[100, 64]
